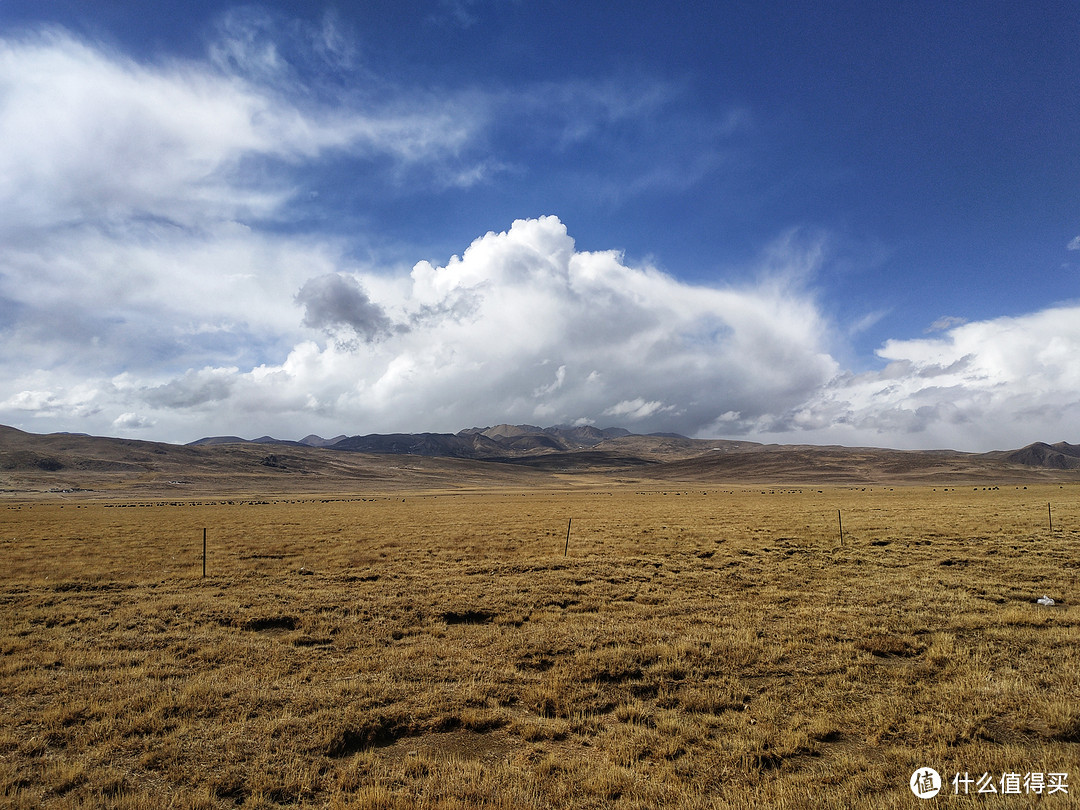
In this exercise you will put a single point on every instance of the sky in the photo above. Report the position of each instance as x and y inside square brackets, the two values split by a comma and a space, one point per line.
[806, 223]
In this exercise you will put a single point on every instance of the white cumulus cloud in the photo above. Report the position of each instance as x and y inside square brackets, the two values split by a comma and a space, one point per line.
[132, 421]
[524, 306]
[1000, 383]
[520, 327]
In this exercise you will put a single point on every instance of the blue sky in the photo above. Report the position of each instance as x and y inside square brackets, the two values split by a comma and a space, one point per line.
[796, 222]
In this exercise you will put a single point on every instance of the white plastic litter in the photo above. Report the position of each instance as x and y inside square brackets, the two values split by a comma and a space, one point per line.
[1046, 600]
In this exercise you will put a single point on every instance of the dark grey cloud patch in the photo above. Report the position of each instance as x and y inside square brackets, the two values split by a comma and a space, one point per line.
[192, 389]
[939, 370]
[333, 302]
[458, 306]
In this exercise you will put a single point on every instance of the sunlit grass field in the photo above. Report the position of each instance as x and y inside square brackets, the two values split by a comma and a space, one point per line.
[693, 648]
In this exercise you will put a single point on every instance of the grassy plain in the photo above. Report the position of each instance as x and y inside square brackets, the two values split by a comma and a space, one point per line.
[697, 648]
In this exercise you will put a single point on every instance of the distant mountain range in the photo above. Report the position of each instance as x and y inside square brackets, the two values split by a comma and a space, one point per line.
[503, 455]
[515, 442]
[499, 442]
[1060, 456]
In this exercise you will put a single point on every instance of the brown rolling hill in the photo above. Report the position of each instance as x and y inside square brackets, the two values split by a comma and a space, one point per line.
[74, 465]
[843, 465]
[69, 464]
[1060, 456]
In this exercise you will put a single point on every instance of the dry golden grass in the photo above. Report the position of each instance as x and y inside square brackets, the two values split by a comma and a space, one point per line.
[697, 648]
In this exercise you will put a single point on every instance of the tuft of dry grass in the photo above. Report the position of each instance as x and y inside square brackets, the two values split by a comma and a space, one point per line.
[696, 648]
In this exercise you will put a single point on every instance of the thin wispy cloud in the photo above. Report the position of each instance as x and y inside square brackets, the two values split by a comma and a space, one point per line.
[944, 323]
[92, 136]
